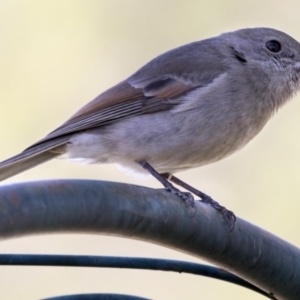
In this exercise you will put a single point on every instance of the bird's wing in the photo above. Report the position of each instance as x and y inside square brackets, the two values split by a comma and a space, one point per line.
[122, 101]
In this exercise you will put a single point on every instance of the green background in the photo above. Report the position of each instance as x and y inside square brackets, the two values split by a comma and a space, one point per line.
[57, 55]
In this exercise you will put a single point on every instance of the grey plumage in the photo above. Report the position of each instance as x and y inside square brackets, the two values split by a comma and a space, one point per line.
[191, 106]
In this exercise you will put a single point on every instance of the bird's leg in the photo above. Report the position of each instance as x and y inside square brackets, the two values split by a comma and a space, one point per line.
[228, 215]
[186, 197]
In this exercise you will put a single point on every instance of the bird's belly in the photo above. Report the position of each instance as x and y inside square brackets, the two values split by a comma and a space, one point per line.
[168, 143]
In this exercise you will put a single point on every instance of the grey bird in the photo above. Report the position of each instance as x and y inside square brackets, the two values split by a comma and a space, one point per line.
[188, 107]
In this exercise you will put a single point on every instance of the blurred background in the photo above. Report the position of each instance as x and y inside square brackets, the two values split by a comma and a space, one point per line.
[56, 55]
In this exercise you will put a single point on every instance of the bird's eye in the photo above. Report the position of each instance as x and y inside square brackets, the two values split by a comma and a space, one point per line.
[273, 46]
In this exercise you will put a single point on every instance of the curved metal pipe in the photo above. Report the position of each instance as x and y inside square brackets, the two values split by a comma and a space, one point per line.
[155, 216]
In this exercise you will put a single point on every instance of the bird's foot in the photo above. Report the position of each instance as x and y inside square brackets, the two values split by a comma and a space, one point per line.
[187, 197]
[227, 214]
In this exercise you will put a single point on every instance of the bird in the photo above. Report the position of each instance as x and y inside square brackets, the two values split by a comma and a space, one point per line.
[188, 107]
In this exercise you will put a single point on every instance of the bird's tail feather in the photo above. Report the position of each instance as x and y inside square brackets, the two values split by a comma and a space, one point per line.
[31, 157]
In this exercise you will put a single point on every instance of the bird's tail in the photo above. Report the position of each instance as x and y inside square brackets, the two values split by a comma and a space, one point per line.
[32, 157]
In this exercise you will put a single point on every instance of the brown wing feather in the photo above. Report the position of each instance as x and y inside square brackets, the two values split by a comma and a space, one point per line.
[164, 93]
[176, 89]
[167, 88]
[117, 94]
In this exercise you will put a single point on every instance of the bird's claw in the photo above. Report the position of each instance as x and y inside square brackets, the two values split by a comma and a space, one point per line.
[185, 196]
[227, 214]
